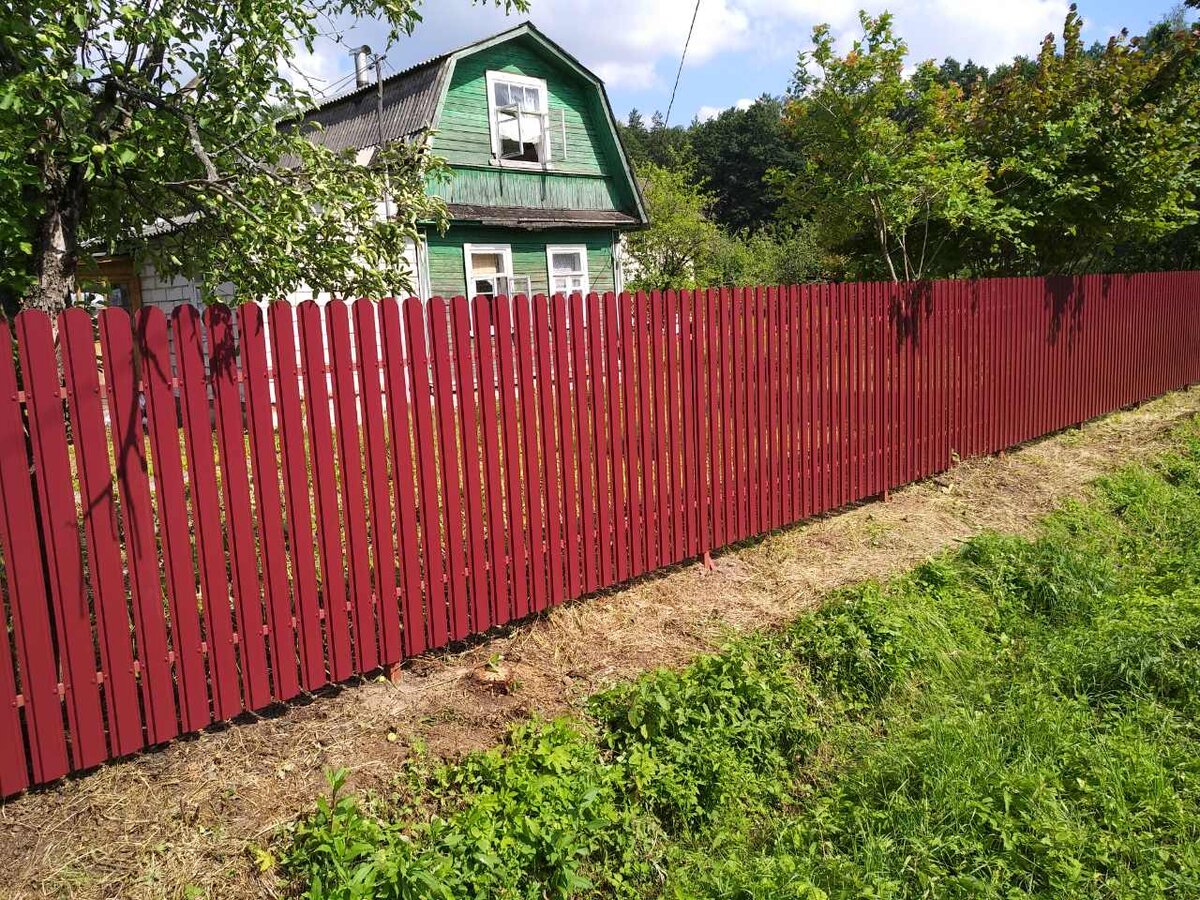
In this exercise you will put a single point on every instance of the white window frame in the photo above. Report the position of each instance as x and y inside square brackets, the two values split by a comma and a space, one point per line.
[505, 251]
[493, 125]
[551, 249]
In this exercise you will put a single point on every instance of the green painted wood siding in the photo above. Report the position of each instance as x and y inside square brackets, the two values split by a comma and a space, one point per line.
[447, 273]
[513, 187]
[591, 175]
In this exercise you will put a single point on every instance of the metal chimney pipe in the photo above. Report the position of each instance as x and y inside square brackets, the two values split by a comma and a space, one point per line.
[362, 66]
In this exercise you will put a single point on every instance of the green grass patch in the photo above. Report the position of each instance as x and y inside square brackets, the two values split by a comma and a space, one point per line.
[1016, 719]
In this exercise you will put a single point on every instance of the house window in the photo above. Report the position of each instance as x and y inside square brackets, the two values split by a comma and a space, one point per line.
[568, 268]
[519, 119]
[489, 269]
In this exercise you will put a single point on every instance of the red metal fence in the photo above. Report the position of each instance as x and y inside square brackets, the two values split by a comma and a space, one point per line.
[209, 517]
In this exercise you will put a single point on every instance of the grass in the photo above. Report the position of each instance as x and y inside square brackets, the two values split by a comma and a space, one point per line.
[1016, 719]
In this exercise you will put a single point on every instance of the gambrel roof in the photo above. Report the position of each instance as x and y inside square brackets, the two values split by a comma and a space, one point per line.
[413, 98]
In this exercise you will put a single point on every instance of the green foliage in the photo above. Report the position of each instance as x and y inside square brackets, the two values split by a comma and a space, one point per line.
[1071, 159]
[1089, 151]
[526, 823]
[669, 253]
[1016, 719]
[884, 154]
[662, 145]
[118, 117]
[856, 645]
[732, 154]
[724, 732]
[771, 255]
[685, 248]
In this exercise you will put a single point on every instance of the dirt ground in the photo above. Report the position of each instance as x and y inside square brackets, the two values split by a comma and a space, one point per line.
[181, 822]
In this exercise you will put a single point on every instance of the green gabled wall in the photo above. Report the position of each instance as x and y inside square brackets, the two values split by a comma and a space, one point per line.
[591, 177]
[447, 275]
[515, 187]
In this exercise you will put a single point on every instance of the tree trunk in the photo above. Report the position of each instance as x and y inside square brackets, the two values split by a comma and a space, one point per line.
[56, 253]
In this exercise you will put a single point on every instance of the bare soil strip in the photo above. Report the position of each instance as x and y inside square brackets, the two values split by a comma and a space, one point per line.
[180, 822]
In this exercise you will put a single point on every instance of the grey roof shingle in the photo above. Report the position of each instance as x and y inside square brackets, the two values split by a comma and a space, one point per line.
[409, 105]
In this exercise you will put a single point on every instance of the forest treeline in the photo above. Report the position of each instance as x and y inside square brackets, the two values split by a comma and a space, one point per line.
[1078, 158]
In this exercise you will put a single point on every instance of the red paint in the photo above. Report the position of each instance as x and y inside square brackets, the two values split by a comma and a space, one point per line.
[545, 387]
[174, 530]
[415, 637]
[29, 608]
[674, 428]
[523, 348]
[601, 441]
[424, 436]
[450, 459]
[617, 447]
[646, 390]
[514, 482]
[472, 456]
[489, 406]
[582, 377]
[302, 540]
[235, 488]
[383, 529]
[352, 488]
[137, 519]
[268, 505]
[321, 437]
[631, 367]
[378, 495]
[100, 530]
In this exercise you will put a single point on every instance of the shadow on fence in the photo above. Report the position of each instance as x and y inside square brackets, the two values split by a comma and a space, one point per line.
[212, 513]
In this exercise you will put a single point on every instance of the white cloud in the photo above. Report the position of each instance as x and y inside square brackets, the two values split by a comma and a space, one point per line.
[636, 44]
[987, 32]
[324, 71]
[705, 113]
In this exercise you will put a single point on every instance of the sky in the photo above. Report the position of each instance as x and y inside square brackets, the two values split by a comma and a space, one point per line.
[739, 50]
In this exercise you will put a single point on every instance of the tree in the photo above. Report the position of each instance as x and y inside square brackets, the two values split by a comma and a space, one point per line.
[884, 155]
[659, 145]
[1090, 150]
[733, 153]
[121, 116]
[771, 255]
[969, 77]
[670, 252]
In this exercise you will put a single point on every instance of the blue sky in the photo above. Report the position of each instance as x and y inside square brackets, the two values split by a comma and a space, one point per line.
[740, 48]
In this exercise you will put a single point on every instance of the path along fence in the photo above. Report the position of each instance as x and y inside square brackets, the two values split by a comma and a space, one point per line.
[219, 511]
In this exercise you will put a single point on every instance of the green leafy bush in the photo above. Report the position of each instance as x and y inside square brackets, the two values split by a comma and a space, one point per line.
[725, 731]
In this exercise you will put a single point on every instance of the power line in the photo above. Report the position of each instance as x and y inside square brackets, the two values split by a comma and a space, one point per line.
[695, 12]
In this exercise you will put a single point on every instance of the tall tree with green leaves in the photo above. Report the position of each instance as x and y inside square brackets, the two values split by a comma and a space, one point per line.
[1090, 149]
[733, 153]
[118, 117]
[884, 155]
[659, 144]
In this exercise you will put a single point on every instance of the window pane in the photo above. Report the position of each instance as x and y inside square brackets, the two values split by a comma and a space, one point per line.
[487, 263]
[484, 286]
[531, 127]
[566, 263]
[521, 132]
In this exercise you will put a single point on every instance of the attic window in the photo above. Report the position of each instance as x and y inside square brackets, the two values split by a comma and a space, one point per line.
[519, 120]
